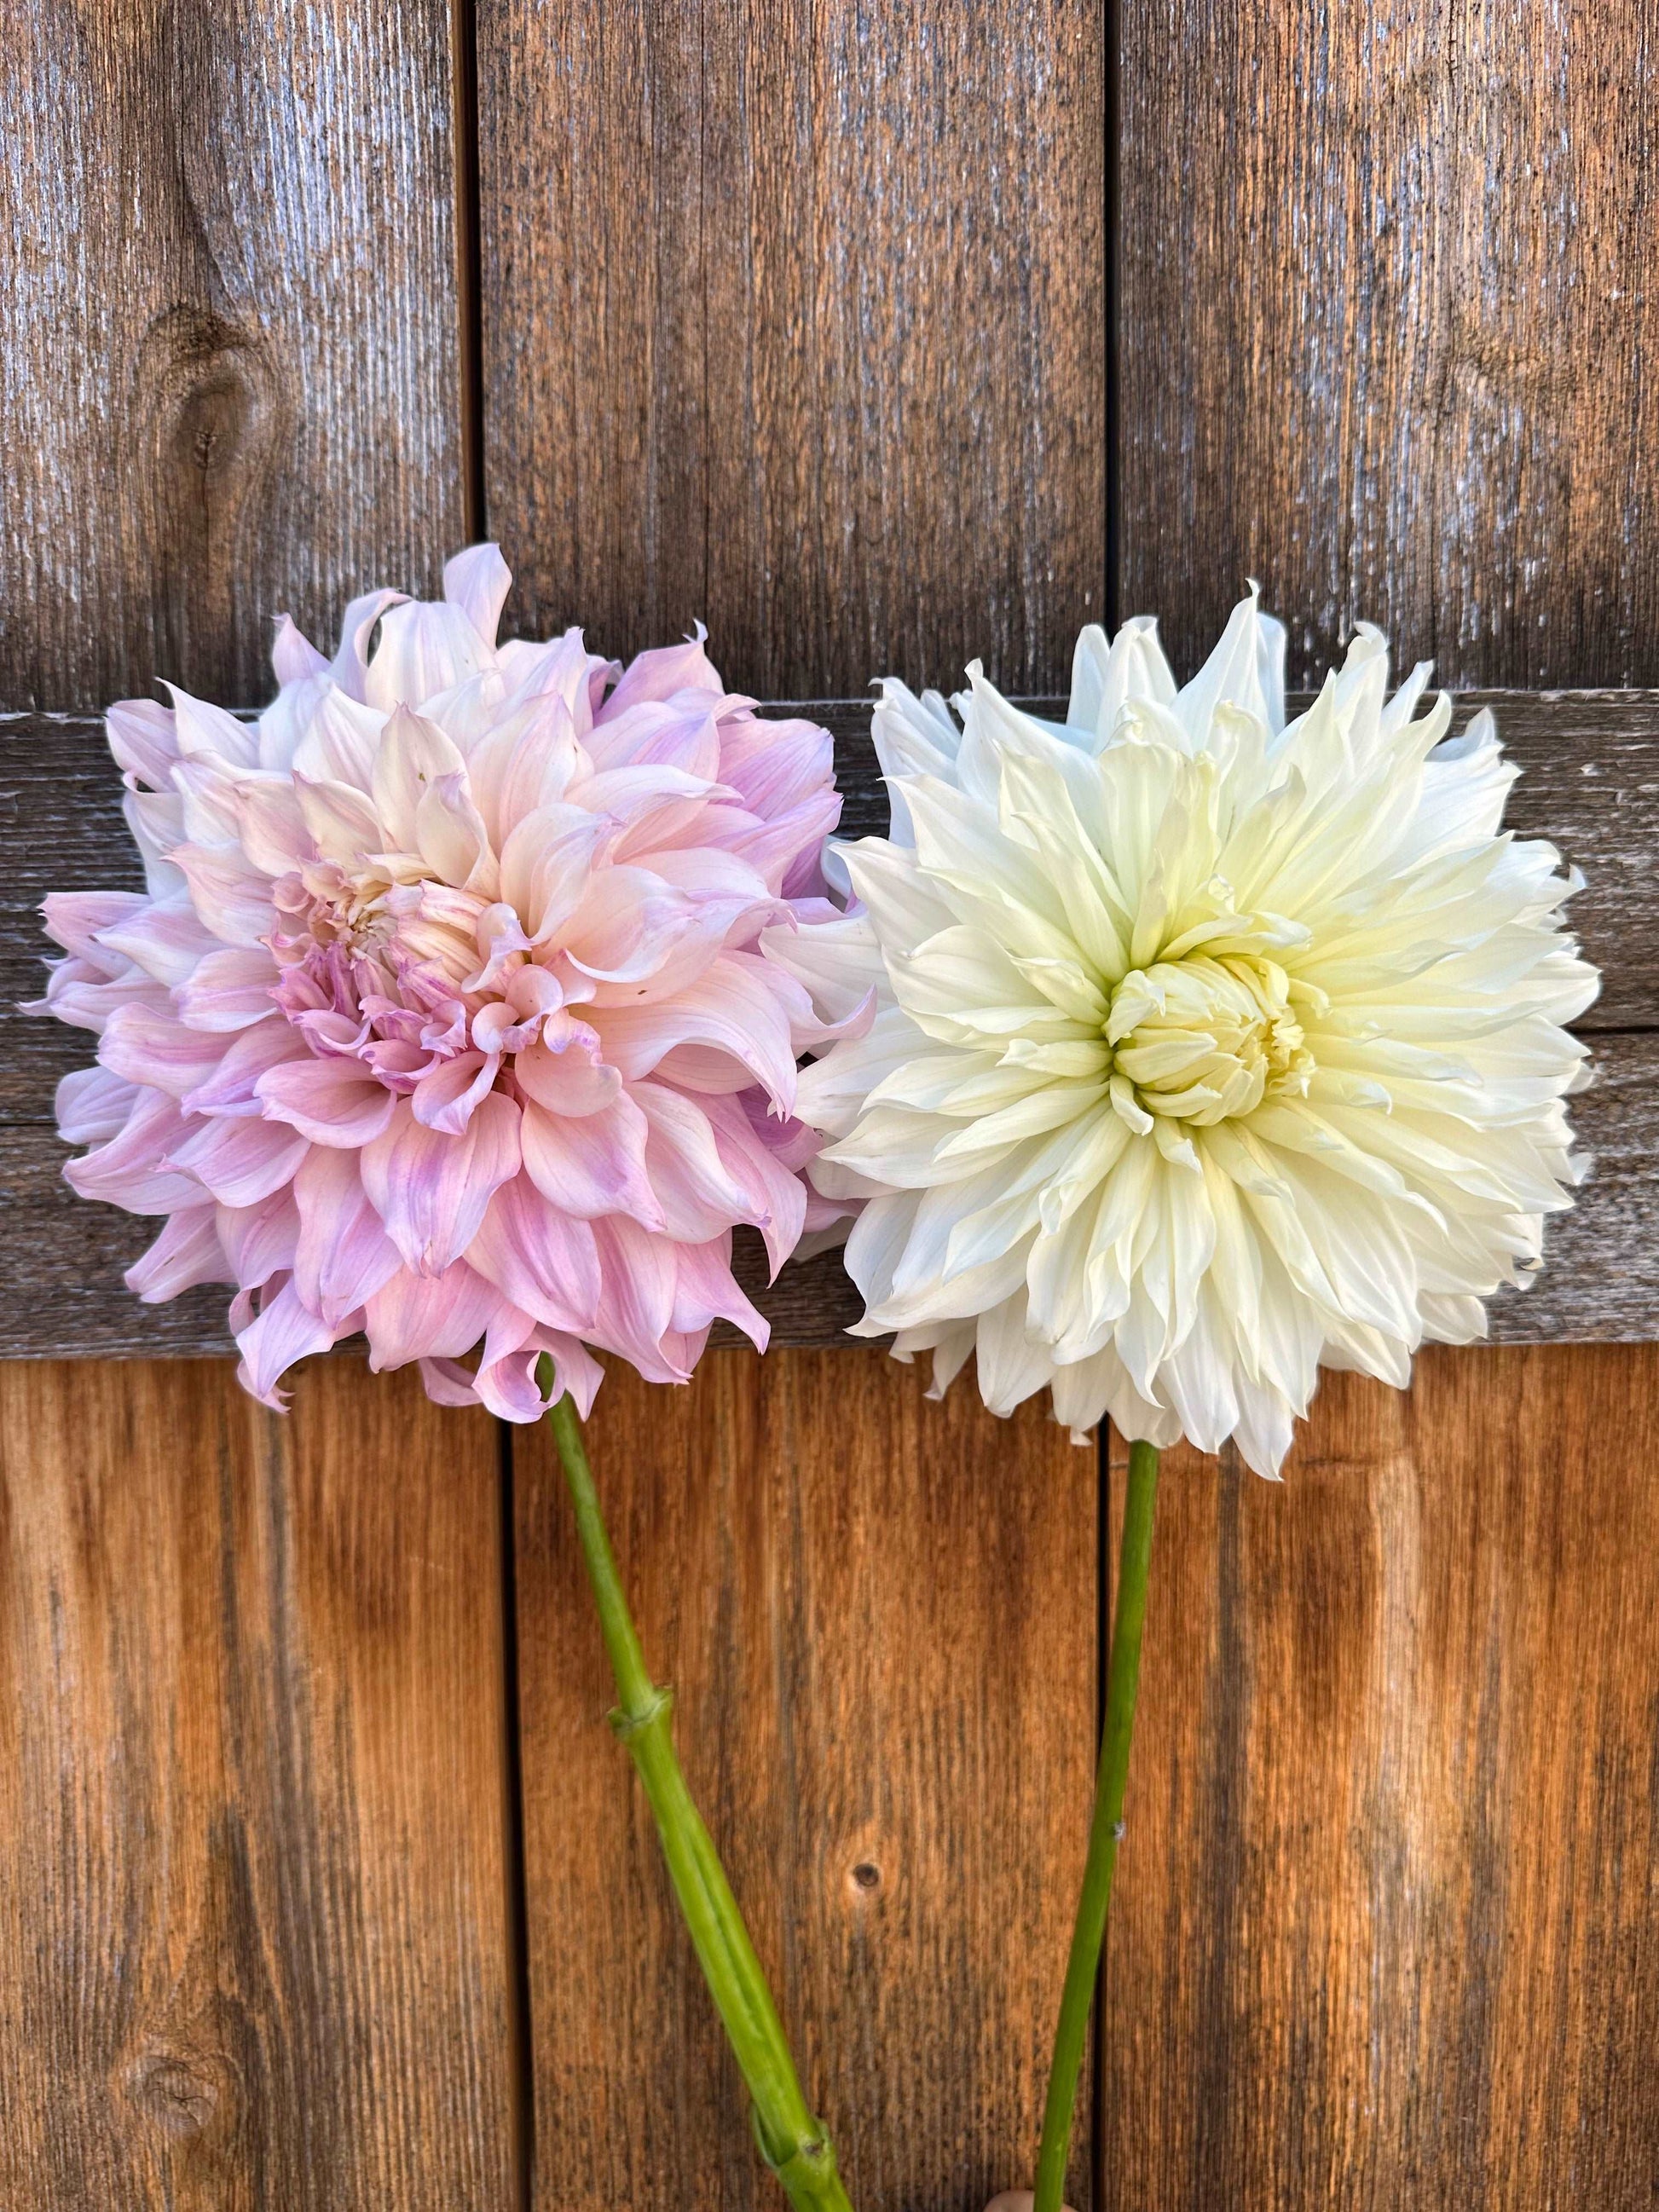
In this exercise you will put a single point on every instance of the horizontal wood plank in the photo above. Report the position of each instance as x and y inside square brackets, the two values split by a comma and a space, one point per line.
[1591, 781]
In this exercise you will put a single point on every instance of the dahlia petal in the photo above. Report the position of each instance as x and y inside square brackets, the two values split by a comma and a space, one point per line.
[187, 1252]
[660, 673]
[241, 1162]
[426, 646]
[229, 989]
[735, 1010]
[446, 1099]
[163, 936]
[92, 1105]
[233, 1087]
[413, 754]
[150, 1047]
[260, 1241]
[81, 921]
[415, 1317]
[431, 1190]
[477, 582]
[341, 820]
[541, 1258]
[293, 656]
[564, 1073]
[282, 1332]
[343, 1256]
[231, 897]
[127, 1171]
[200, 728]
[594, 1164]
[332, 1102]
[141, 738]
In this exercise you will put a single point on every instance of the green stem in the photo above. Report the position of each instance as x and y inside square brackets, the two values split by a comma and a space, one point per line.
[794, 2143]
[1122, 1680]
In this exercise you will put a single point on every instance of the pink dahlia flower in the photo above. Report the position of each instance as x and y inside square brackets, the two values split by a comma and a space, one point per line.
[444, 1016]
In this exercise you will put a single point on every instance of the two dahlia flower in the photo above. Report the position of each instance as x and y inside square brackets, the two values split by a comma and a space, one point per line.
[479, 992]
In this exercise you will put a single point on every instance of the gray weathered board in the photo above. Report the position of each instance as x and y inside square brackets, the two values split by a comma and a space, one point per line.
[1591, 782]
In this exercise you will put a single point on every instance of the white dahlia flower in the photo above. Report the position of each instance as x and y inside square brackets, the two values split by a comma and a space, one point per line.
[1208, 1048]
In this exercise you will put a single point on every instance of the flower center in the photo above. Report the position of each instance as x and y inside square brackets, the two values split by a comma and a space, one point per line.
[1206, 1039]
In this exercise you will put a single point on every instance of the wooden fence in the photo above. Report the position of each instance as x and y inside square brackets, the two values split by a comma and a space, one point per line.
[880, 337]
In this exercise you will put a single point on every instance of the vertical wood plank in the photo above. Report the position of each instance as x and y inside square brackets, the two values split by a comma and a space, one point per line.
[254, 1890]
[229, 342]
[1386, 1919]
[793, 321]
[879, 1612]
[1387, 1930]
[1386, 275]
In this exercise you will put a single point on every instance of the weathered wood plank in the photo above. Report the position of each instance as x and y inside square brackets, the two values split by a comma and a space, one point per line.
[1385, 1931]
[1384, 277]
[795, 321]
[880, 1612]
[1386, 1927]
[229, 338]
[1591, 782]
[253, 1894]
[61, 1293]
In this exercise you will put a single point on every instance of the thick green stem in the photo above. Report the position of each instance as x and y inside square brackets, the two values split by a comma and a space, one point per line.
[794, 2143]
[1122, 1680]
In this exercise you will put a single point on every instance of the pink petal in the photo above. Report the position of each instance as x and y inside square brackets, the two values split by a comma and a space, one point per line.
[127, 1171]
[293, 657]
[414, 1317]
[541, 1258]
[164, 937]
[477, 582]
[700, 1198]
[446, 1099]
[76, 920]
[350, 662]
[639, 1276]
[228, 892]
[431, 1190]
[230, 989]
[260, 1241]
[563, 1071]
[344, 1255]
[661, 672]
[593, 1164]
[282, 1332]
[147, 1046]
[733, 1019]
[332, 1102]
[413, 754]
[141, 737]
[241, 1162]
[92, 1105]
[187, 1252]
[233, 1087]
[705, 1290]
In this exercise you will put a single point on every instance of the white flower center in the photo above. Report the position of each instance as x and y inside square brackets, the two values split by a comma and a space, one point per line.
[1204, 1039]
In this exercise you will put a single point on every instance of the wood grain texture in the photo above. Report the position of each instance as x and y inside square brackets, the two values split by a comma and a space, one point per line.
[229, 341]
[881, 1615]
[253, 1901]
[1387, 1923]
[794, 321]
[1384, 277]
